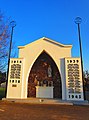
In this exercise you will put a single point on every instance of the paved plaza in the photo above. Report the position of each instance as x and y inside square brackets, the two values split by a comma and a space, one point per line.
[28, 111]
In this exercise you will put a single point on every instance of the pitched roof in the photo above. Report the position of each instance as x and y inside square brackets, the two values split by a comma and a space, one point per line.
[47, 40]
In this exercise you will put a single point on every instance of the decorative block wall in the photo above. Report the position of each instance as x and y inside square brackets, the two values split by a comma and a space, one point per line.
[15, 78]
[74, 84]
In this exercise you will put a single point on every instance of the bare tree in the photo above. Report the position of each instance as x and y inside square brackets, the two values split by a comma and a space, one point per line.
[4, 41]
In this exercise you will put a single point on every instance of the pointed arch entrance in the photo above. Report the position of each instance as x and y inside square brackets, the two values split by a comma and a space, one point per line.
[44, 71]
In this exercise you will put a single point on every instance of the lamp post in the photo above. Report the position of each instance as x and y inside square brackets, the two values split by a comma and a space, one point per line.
[78, 21]
[12, 24]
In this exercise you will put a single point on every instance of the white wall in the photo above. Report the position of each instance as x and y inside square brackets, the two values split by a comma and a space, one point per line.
[15, 85]
[63, 77]
[32, 51]
[75, 71]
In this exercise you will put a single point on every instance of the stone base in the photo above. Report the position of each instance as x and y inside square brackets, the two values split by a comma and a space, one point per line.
[44, 92]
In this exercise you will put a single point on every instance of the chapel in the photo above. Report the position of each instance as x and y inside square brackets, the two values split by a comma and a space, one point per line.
[45, 69]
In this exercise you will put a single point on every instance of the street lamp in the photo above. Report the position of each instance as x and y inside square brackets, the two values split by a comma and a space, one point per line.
[12, 24]
[78, 21]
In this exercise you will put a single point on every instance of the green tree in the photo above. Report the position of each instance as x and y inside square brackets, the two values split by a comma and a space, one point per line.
[2, 77]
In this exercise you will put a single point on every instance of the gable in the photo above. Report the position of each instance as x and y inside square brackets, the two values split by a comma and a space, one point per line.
[53, 48]
[45, 40]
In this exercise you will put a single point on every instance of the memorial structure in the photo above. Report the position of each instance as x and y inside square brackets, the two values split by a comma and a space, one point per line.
[45, 69]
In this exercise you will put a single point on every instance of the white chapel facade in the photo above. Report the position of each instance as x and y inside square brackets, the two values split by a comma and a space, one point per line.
[45, 69]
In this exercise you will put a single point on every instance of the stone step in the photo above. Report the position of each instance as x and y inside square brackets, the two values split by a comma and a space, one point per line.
[46, 101]
[39, 101]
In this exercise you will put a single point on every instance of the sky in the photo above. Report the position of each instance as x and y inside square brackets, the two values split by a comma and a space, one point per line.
[54, 19]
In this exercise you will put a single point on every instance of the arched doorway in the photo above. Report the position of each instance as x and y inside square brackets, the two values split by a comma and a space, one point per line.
[44, 70]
